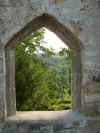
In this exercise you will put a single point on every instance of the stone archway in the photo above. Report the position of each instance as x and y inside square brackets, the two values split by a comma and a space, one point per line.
[65, 35]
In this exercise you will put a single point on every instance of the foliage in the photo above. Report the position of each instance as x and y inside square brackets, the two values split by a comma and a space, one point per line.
[41, 76]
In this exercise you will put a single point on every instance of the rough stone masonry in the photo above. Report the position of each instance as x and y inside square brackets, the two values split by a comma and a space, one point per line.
[77, 23]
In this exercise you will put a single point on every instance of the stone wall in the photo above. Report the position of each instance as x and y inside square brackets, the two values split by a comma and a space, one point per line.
[76, 22]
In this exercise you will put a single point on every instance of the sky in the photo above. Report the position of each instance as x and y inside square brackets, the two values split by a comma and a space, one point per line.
[52, 41]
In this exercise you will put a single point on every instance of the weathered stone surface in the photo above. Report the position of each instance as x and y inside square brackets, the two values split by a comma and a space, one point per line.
[2, 86]
[55, 122]
[77, 23]
[10, 82]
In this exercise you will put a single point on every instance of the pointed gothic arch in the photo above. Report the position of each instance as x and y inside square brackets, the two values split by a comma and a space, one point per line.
[66, 36]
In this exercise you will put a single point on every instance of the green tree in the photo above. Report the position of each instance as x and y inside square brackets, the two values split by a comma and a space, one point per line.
[41, 75]
[31, 87]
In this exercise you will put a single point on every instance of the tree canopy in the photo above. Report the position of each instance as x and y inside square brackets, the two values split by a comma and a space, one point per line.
[43, 77]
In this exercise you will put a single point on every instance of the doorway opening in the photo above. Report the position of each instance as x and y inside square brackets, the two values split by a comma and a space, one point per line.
[42, 73]
[66, 36]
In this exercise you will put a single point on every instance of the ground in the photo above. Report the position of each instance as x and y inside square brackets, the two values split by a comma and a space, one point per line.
[50, 122]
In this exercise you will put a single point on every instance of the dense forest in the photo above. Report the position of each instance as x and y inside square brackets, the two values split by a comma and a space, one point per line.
[43, 77]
